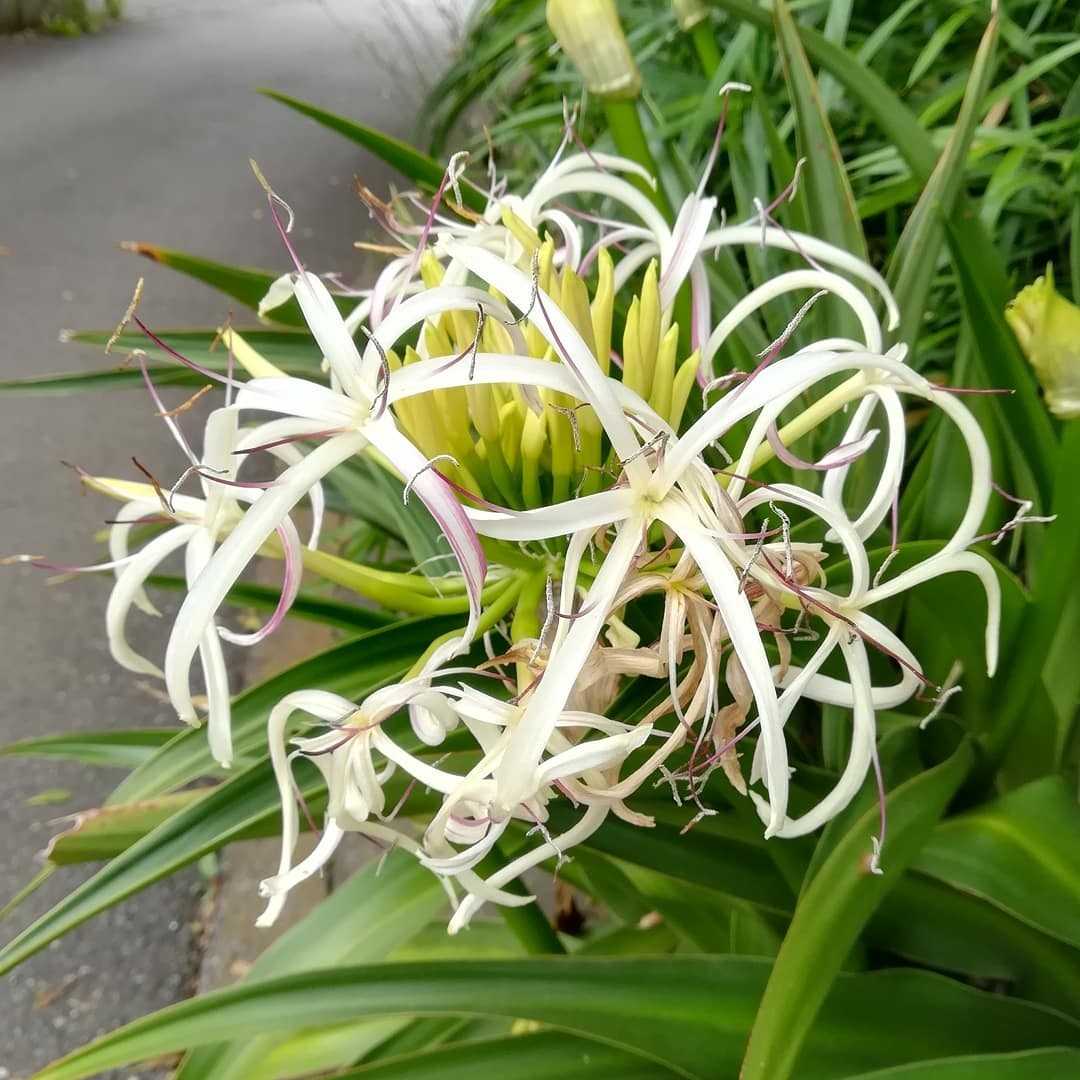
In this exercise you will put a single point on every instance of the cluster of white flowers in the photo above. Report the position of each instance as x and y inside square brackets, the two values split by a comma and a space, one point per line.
[669, 523]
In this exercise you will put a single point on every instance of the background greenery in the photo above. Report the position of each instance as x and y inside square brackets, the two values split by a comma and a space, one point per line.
[944, 142]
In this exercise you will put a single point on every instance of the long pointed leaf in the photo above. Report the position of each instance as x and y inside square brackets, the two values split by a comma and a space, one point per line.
[689, 1012]
[417, 166]
[834, 909]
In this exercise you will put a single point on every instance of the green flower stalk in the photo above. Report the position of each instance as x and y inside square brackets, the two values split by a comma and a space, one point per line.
[1048, 329]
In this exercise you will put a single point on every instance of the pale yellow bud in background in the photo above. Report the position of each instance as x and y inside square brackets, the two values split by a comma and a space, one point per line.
[1048, 329]
[689, 13]
[590, 33]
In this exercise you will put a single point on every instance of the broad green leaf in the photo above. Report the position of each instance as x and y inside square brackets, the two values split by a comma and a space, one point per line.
[106, 831]
[307, 605]
[517, 1057]
[409, 161]
[916, 255]
[830, 202]
[1019, 853]
[833, 910]
[119, 749]
[353, 668]
[927, 922]
[690, 1013]
[381, 906]
[1049, 1064]
[245, 284]
[716, 854]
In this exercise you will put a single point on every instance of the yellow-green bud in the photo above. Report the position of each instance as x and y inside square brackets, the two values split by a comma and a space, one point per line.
[689, 13]
[1048, 329]
[590, 33]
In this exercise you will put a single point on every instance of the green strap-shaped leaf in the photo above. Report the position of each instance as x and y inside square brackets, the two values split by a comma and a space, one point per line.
[930, 923]
[1050, 1064]
[246, 284]
[726, 864]
[968, 240]
[689, 1013]
[833, 910]
[830, 201]
[290, 350]
[897, 121]
[518, 1057]
[307, 605]
[1025, 422]
[117, 749]
[1019, 853]
[911, 269]
[417, 166]
[381, 906]
[353, 668]
[106, 831]
[1057, 570]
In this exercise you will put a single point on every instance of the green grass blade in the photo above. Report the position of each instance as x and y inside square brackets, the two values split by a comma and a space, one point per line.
[830, 201]
[936, 43]
[915, 257]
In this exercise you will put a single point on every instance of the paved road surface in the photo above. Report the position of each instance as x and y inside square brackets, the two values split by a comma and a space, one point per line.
[142, 133]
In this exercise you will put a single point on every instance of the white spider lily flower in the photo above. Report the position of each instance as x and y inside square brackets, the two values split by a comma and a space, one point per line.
[356, 414]
[346, 756]
[198, 525]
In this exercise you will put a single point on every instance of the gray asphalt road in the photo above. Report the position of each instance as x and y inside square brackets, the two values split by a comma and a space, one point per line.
[143, 133]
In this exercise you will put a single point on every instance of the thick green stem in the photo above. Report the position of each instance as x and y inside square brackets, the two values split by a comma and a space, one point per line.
[705, 46]
[625, 124]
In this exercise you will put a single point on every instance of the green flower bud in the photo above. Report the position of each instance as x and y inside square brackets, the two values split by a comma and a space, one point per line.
[1048, 329]
[590, 33]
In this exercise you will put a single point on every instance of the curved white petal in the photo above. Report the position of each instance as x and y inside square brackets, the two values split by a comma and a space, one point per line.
[215, 674]
[237, 550]
[800, 243]
[862, 749]
[790, 282]
[588, 512]
[127, 586]
[516, 772]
